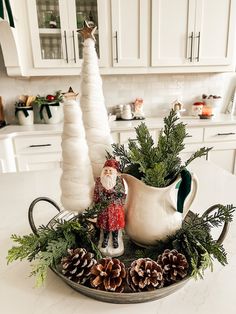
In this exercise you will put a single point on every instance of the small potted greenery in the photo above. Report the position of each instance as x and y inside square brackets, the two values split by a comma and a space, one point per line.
[24, 110]
[49, 107]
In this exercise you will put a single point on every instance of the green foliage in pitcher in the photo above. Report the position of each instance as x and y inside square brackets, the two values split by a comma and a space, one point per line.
[157, 165]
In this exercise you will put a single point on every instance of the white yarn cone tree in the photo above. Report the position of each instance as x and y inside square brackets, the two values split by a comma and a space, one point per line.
[95, 116]
[77, 181]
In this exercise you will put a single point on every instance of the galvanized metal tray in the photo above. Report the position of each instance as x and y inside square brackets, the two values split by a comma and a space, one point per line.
[114, 297]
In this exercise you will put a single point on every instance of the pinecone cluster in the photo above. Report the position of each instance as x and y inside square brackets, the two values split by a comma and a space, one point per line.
[144, 274]
[108, 274]
[174, 265]
[77, 265]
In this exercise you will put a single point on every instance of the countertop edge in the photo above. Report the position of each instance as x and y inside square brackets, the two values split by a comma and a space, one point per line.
[11, 131]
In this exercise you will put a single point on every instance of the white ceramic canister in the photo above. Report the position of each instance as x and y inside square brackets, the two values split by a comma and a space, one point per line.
[25, 115]
[127, 113]
[51, 113]
[215, 104]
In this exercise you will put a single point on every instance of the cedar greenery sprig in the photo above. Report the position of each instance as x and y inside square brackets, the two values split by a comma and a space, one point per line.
[51, 242]
[157, 165]
[194, 240]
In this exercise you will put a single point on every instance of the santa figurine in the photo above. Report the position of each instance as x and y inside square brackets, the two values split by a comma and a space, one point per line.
[138, 109]
[109, 187]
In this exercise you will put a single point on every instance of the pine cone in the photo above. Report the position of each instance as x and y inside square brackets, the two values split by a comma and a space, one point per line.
[144, 274]
[174, 264]
[77, 265]
[109, 275]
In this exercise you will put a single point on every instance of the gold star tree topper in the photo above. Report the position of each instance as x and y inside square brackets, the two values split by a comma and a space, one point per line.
[87, 31]
[70, 94]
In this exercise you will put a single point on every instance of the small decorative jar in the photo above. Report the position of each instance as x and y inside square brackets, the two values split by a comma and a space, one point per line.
[51, 112]
[127, 113]
[206, 112]
[25, 115]
[197, 108]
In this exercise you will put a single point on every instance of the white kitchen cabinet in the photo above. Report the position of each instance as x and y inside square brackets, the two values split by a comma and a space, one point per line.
[193, 33]
[223, 141]
[7, 160]
[129, 33]
[37, 152]
[39, 147]
[38, 162]
[225, 158]
[53, 26]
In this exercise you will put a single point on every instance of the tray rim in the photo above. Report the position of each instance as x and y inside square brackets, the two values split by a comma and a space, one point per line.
[124, 297]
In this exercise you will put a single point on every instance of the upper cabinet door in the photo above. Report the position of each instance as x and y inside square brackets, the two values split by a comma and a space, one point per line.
[193, 32]
[213, 32]
[54, 26]
[172, 32]
[48, 26]
[129, 33]
[95, 12]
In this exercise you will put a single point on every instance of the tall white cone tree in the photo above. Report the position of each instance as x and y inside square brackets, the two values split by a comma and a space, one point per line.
[95, 116]
[77, 181]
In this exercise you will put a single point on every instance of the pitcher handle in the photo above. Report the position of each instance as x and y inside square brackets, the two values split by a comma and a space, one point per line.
[193, 193]
[225, 226]
[31, 208]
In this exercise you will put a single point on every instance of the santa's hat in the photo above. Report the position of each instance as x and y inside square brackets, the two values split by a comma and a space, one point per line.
[112, 163]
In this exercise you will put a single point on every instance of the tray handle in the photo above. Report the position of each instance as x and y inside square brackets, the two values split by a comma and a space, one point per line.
[225, 226]
[31, 208]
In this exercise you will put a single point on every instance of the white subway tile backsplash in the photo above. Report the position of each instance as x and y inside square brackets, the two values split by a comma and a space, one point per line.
[157, 90]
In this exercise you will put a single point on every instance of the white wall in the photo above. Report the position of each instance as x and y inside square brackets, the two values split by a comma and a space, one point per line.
[157, 90]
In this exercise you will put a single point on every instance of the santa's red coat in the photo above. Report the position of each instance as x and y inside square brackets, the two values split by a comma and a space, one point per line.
[113, 216]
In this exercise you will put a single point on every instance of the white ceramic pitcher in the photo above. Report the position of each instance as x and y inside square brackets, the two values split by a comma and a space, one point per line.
[151, 213]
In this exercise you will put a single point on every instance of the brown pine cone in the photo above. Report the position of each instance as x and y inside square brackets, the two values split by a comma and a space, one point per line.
[77, 265]
[109, 275]
[144, 274]
[174, 264]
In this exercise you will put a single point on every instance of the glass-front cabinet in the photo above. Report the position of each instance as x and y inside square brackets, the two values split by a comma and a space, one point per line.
[54, 28]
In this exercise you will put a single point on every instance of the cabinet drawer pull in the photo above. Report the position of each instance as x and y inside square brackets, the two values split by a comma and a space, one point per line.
[67, 60]
[191, 47]
[198, 47]
[73, 37]
[189, 135]
[40, 145]
[230, 133]
[133, 140]
[116, 37]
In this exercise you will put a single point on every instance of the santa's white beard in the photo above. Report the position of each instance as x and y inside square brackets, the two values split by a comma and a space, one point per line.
[108, 181]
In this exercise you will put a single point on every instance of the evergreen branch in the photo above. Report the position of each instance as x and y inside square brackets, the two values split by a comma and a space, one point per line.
[121, 153]
[222, 215]
[45, 259]
[142, 157]
[93, 211]
[29, 246]
[198, 154]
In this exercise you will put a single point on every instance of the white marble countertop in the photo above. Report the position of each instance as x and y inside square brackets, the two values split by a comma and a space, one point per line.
[215, 294]
[116, 126]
